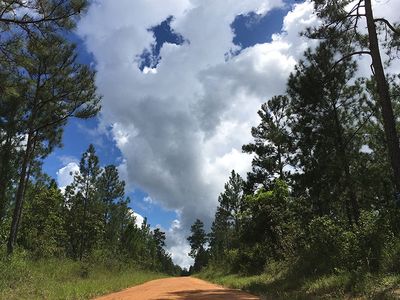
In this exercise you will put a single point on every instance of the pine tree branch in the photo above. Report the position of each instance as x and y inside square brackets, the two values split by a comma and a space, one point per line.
[388, 24]
[44, 19]
[50, 17]
[350, 55]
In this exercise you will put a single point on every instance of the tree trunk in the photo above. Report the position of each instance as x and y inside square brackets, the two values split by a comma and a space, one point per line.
[19, 198]
[280, 163]
[389, 122]
[83, 228]
[4, 176]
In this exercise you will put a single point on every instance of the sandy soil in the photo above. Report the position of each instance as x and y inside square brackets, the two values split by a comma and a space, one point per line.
[182, 288]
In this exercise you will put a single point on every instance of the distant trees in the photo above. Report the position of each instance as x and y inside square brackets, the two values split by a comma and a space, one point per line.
[98, 218]
[198, 240]
[85, 222]
[111, 191]
[89, 221]
[146, 247]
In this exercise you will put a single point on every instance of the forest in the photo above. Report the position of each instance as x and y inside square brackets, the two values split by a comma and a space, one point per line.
[323, 195]
[322, 198]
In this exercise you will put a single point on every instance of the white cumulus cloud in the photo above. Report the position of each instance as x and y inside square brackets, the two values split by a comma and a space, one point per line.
[180, 127]
[138, 219]
[65, 175]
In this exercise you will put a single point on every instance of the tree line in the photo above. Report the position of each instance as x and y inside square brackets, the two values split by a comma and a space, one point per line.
[323, 193]
[43, 85]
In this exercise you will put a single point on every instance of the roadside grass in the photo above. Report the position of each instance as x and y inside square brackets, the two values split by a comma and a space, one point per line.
[21, 278]
[281, 285]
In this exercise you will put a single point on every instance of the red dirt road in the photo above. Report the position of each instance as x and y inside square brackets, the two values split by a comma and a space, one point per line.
[182, 288]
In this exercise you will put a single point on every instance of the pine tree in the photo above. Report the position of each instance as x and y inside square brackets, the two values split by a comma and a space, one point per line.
[54, 12]
[226, 225]
[326, 116]
[343, 22]
[272, 144]
[111, 191]
[11, 110]
[55, 88]
[198, 240]
[85, 225]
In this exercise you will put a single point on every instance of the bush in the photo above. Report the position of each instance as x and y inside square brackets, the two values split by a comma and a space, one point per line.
[391, 256]
[373, 234]
[252, 260]
[323, 247]
[330, 246]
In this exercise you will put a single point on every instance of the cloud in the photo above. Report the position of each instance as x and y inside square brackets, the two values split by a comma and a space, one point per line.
[65, 175]
[148, 199]
[138, 219]
[180, 127]
[177, 245]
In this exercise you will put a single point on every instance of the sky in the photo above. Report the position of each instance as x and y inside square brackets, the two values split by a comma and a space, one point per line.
[182, 81]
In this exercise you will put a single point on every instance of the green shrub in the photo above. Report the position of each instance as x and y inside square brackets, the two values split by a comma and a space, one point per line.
[323, 247]
[252, 260]
[373, 233]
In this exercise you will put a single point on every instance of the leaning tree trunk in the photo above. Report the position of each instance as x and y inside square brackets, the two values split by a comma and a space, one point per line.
[19, 198]
[389, 122]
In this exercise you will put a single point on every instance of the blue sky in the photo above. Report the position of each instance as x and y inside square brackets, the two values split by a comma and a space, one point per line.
[177, 158]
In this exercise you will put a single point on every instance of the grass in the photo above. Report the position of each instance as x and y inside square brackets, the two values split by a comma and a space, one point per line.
[280, 285]
[21, 278]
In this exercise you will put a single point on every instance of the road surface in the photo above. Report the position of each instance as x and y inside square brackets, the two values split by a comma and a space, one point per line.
[182, 288]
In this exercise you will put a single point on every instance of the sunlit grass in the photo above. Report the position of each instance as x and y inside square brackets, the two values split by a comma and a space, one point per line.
[65, 279]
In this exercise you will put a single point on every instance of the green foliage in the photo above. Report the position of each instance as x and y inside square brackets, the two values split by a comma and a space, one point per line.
[42, 86]
[100, 226]
[272, 157]
[228, 217]
[319, 199]
[197, 241]
[58, 14]
[43, 226]
[90, 223]
[85, 216]
[265, 224]
[48, 87]
[323, 248]
[279, 284]
[373, 236]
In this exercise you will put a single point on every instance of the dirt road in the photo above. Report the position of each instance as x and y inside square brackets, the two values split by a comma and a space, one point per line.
[182, 288]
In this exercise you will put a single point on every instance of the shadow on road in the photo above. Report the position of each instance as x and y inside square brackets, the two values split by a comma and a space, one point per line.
[216, 294]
